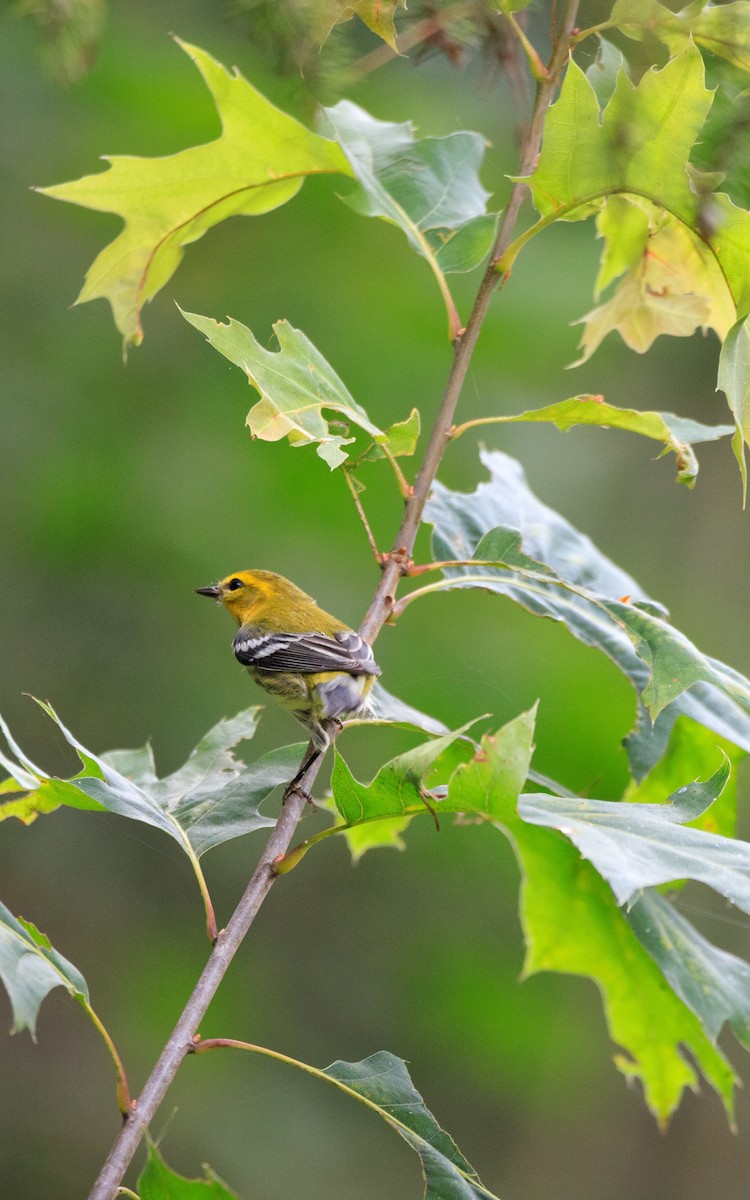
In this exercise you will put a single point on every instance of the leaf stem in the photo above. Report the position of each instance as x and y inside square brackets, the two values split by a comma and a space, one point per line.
[211, 926]
[404, 486]
[123, 1093]
[361, 513]
[229, 940]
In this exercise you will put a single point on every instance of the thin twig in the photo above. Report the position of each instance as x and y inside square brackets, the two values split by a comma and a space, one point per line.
[181, 1041]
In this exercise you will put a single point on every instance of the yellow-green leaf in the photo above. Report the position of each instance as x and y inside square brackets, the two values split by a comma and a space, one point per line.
[258, 162]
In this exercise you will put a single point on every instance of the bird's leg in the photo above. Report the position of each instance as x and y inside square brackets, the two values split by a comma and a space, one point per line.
[321, 740]
[294, 786]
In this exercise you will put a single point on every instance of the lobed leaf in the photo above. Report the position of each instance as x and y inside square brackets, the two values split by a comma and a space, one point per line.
[555, 571]
[296, 385]
[690, 753]
[641, 845]
[30, 968]
[639, 148]
[673, 284]
[722, 29]
[384, 1084]
[678, 434]
[259, 161]
[213, 797]
[428, 187]
[572, 924]
[157, 1181]
[715, 985]
[396, 790]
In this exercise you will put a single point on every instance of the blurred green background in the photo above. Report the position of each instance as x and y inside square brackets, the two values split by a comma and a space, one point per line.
[126, 486]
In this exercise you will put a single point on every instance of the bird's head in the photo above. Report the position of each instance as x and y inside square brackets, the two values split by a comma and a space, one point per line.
[245, 593]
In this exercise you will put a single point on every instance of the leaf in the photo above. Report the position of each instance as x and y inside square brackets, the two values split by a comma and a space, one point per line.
[413, 784]
[677, 434]
[690, 752]
[603, 71]
[715, 985]
[635, 634]
[640, 144]
[384, 1084]
[674, 287]
[402, 439]
[396, 790]
[428, 187]
[639, 147]
[641, 845]
[378, 16]
[295, 383]
[734, 381]
[159, 1182]
[30, 968]
[212, 798]
[722, 29]
[258, 162]
[572, 924]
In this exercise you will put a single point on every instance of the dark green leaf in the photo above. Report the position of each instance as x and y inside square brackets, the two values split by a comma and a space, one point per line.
[212, 798]
[159, 1182]
[641, 845]
[599, 603]
[428, 187]
[713, 983]
[383, 1082]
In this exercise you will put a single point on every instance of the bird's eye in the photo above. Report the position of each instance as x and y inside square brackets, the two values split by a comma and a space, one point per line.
[234, 584]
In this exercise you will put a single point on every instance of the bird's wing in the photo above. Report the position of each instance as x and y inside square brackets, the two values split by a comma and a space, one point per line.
[305, 653]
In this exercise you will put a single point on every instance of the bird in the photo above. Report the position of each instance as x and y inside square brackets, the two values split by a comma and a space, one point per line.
[314, 665]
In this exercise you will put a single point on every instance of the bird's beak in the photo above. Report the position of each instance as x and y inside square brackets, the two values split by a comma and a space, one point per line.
[214, 591]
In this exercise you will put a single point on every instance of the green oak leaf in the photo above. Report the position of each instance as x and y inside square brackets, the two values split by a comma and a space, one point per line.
[383, 1083]
[157, 1181]
[397, 789]
[296, 385]
[640, 144]
[30, 968]
[715, 985]
[691, 751]
[572, 925]
[598, 602]
[677, 434]
[639, 148]
[722, 29]
[428, 187]
[259, 161]
[634, 846]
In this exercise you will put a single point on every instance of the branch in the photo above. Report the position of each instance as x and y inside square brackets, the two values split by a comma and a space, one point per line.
[181, 1040]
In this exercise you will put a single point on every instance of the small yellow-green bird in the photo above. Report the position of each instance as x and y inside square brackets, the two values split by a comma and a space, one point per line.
[314, 665]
